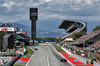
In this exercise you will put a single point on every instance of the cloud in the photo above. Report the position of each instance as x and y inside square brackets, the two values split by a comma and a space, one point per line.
[8, 5]
[48, 0]
[49, 9]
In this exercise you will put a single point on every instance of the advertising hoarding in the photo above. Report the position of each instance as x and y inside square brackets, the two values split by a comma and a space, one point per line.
[7, 29]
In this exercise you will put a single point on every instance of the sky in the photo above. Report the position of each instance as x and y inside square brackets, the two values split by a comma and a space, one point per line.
[52, 11]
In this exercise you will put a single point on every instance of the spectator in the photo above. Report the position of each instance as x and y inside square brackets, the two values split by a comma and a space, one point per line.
[2, 62]
[5, 62]
[11, 54]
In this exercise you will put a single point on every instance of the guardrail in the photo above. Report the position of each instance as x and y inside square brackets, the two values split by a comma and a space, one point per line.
[67, 51]
[96, 64]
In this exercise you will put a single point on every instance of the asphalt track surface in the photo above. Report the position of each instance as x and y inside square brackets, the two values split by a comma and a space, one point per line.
[46, 56]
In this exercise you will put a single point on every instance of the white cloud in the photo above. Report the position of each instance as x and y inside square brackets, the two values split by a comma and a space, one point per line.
[89, 2]
[76, 8]
[48, 9]
[78, 1]
[48, 0]
[8, 5]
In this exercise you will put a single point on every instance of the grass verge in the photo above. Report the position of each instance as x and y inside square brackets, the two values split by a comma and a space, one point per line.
[29, 51]
[91, 58]
[59, 49]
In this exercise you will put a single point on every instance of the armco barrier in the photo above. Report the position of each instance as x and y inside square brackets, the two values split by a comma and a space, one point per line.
[67, 51]
[96, 64]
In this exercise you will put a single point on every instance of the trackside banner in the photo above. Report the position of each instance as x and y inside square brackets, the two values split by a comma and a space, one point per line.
[6, 29]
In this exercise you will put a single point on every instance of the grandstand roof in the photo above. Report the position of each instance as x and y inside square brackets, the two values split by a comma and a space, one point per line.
[66, 22]
[72, 26]
[69, 39]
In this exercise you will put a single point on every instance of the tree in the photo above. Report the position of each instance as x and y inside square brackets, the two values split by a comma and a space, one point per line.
[96, 28]
[77, 35]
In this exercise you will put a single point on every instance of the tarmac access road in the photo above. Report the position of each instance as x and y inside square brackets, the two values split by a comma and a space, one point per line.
[46, 56]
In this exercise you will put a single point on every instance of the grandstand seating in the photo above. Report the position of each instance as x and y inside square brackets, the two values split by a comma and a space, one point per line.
[88, 36]
[95, 45]
[99, 50]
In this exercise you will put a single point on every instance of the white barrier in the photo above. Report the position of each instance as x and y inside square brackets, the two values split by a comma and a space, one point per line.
[67, 51]
[57, 45]
[96, 64]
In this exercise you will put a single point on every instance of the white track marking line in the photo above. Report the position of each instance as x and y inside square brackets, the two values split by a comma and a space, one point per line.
[47, 59]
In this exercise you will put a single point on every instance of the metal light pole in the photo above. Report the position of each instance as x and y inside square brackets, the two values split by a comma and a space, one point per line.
[60, 37]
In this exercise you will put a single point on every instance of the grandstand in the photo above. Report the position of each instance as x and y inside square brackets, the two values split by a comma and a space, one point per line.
[71, 27]
[88, 36]
[10, 29]
[88, 40]
[89, 44]
[95, 45]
